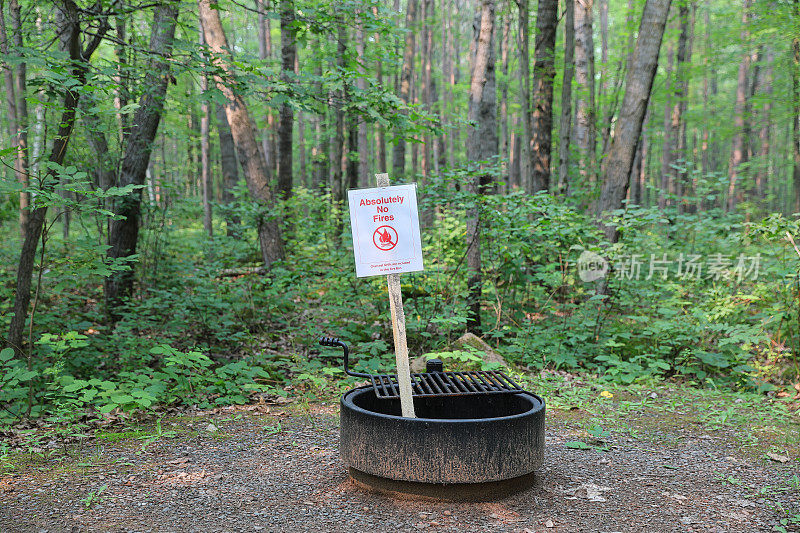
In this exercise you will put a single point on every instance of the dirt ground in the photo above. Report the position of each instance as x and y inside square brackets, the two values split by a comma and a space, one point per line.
[276, 469]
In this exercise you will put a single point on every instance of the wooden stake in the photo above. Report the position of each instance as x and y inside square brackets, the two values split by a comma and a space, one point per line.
[399, 330]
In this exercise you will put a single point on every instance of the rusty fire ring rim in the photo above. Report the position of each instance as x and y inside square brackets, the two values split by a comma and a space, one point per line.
[346, 399]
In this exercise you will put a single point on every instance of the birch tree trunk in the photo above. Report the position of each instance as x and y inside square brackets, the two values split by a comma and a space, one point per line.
[638, 85]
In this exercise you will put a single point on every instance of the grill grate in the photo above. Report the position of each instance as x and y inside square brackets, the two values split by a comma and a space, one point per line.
[446, 384]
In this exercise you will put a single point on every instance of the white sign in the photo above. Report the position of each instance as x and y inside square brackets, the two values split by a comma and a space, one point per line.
[385, 224]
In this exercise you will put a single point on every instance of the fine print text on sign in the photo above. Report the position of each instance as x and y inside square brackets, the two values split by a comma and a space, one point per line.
[385, 224]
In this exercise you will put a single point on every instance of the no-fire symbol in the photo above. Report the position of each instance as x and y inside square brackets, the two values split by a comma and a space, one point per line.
[385, 238]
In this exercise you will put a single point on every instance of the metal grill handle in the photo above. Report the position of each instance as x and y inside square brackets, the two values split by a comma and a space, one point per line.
[334, 341]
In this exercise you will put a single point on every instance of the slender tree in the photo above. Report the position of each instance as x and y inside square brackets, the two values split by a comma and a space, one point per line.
[205, 151]
[524, 158]
[481, 147]
[399, 151]
[286, 113]
[638, 85]
[544, 73]
[124, 231]
[16, 101]
[230, 172]
[68, 20]
[738, 144]
[564, 132]
[362, 144]
[796, 112]
[585, 130]
[256, 171]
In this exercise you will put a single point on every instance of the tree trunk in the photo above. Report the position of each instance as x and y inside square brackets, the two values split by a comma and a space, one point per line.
[205, 148]
[585, 132]
[399, 151]
[362, 179]
[638, 84]
[301, 141]
[380, 133]
[525, 98]
[504, 143]
[704, 148]
[796, 113]
[544, 73]
[666, 175]
[425, 66]
[675, 149]
[319, 154]
[352, 159]
[286, 114]
[337, 186]
[268, 144]
[68, 20]
[125, 230]
[256, 171]
[564, 132]
[738, 145]
[16, 87]
[121, 92]
[604, 107]
[447, 83]
[481, 146]
[230, 172]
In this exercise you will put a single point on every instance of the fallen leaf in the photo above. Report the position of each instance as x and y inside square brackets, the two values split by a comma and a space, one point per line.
[590, 491]
[778, 458]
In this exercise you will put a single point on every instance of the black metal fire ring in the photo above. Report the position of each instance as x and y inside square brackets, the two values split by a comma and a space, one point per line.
[471, 439]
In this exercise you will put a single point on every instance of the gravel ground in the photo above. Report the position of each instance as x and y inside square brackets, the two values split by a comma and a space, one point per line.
[279, 471]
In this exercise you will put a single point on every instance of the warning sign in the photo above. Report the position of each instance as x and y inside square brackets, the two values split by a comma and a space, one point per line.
[385, 224]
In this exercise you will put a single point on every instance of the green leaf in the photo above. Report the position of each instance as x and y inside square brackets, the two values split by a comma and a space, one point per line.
[76, 385]
[577, 445]
[122, 398]
[6, 354]
[108, 408]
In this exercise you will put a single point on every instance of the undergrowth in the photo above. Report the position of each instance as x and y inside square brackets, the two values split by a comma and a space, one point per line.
[206, 328]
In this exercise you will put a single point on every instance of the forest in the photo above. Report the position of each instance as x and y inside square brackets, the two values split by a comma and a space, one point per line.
[607, 188]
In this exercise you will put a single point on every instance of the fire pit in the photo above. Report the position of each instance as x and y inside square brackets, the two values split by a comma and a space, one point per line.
[478, 435]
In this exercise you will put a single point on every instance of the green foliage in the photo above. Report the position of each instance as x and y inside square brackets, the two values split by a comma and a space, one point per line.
[196, 335]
